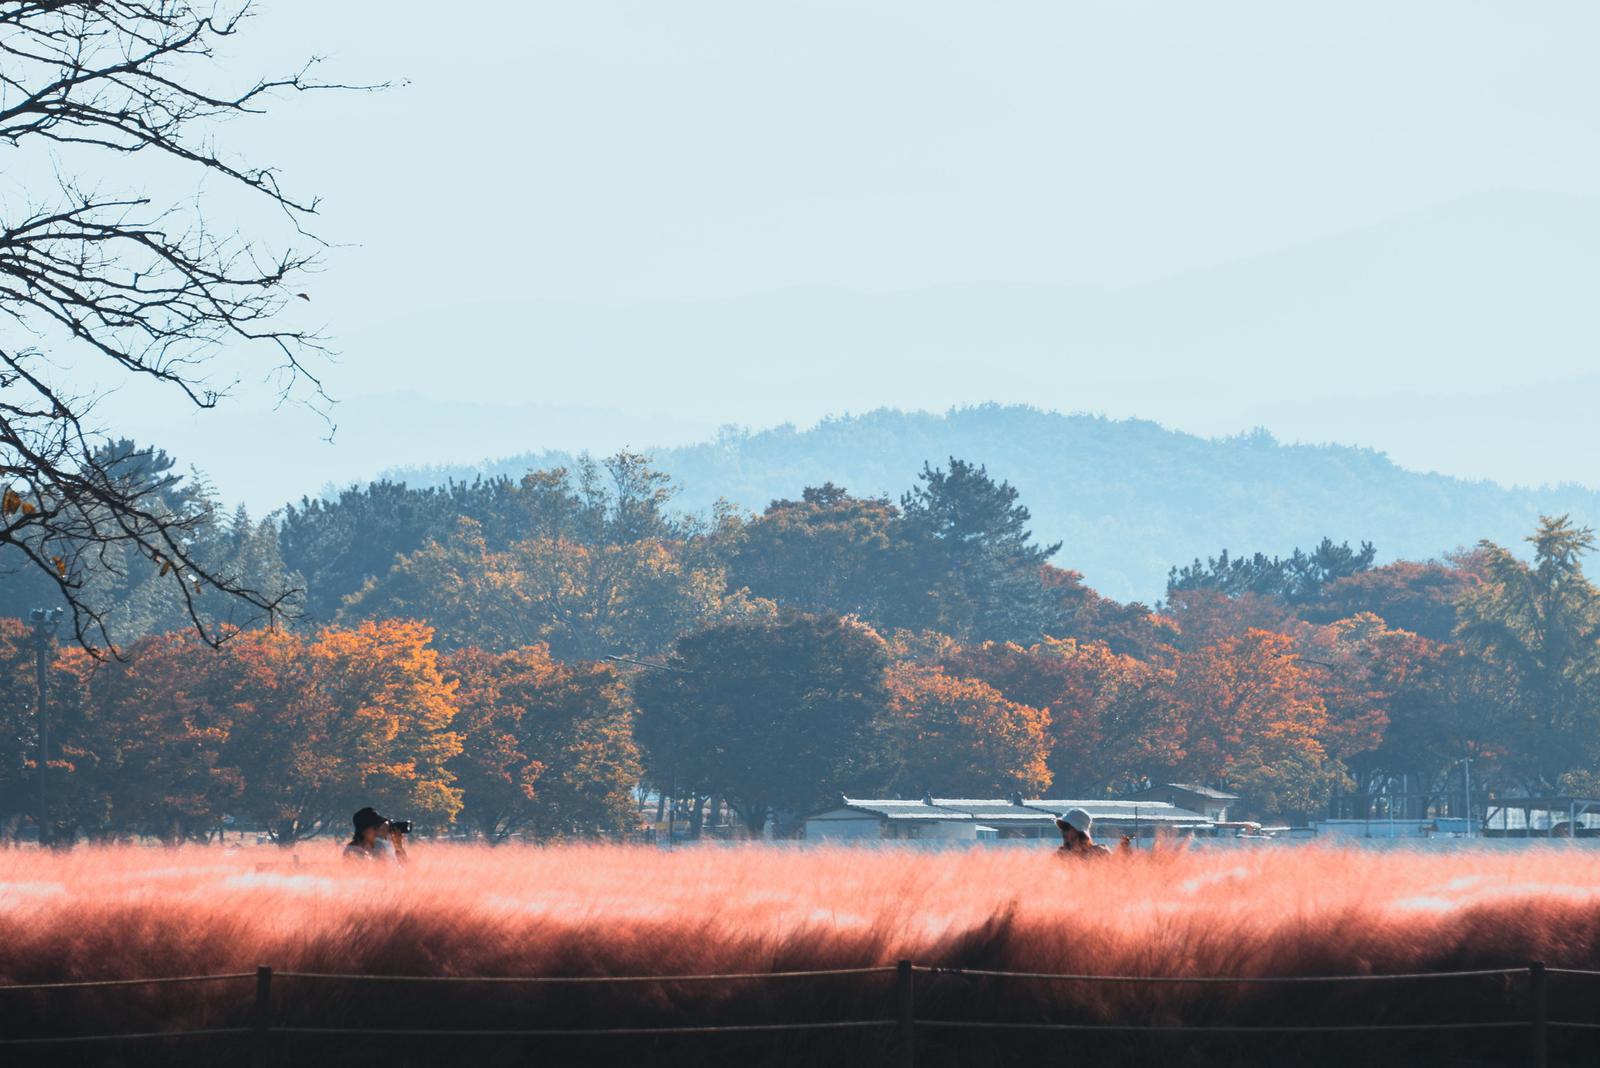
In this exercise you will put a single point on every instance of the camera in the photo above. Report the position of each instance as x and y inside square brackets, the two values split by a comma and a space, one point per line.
[403, 826]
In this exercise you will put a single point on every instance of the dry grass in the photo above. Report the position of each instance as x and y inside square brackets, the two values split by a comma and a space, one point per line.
[106, 913]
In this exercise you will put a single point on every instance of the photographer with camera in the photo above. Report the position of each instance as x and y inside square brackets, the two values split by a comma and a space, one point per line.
[377, 838]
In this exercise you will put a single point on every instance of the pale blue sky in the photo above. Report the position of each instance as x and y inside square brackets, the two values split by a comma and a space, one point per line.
[717, 175]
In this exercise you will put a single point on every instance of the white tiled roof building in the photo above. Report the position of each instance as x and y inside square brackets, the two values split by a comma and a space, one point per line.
[957, 818]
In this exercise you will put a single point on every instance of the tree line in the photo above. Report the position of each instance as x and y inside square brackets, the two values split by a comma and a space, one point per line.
[526, 656]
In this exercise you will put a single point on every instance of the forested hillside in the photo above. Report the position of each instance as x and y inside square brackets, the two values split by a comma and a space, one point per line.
[1126, 498]
[517, 654]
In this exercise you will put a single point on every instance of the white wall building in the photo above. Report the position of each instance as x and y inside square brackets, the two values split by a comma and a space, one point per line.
[977, 819]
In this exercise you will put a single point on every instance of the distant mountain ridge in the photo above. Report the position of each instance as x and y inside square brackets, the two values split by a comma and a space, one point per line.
[1458, 338]
[1127, 498]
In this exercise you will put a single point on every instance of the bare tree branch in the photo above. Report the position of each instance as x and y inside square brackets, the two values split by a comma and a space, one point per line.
[138, 283]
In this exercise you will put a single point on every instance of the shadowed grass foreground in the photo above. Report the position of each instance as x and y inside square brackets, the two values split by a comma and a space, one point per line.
[594, 910]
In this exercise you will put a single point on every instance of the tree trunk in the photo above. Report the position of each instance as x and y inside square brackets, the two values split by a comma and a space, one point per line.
[754, 817]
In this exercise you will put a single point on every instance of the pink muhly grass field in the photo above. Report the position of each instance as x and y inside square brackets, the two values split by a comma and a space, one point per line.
[608, 910]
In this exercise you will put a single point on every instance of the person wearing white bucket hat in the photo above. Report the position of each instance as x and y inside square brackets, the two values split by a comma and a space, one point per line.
[1076, 840]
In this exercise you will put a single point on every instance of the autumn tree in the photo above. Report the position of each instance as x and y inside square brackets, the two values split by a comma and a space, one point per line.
[546, 746]
[1112, 716]
[1418, 597]
[154, 753]
[1114, 720]
[116, 259]
[1079, 612]
[281, 733]
[1360, 666]
[1255, 719]
[1204, 616]
[777, 717]
[1373, 678]
[1036, 676]
[350, 717]
[393, 712]
[494, 769]
[584, 718]
[958, 737]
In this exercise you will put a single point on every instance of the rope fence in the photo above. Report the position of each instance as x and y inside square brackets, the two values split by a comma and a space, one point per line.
[905, 1023]
[1229, 980]
[526, 980]
[161, 981]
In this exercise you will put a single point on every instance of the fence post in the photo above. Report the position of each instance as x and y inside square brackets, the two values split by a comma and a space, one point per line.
[261, 1034]
[1539, 1014]
[906, 1014]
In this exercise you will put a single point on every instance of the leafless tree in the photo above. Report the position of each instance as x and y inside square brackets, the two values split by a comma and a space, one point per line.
[103, 279]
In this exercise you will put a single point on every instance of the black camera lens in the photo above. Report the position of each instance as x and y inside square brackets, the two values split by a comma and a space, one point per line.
[403, 826]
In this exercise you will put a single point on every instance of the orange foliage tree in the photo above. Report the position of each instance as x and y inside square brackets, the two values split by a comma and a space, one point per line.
[547, 746]
[1366, 667]
[389, 734]
[1254, 719]
[1418, 597]
[348, 717]
[959, 736]
[1111, 715]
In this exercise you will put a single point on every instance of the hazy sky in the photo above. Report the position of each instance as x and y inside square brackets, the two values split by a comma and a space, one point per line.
[625, 154]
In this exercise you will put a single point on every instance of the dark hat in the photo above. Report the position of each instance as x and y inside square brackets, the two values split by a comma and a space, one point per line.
[367, 817]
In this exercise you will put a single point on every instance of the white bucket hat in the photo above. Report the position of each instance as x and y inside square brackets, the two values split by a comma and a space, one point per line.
[1076, 818]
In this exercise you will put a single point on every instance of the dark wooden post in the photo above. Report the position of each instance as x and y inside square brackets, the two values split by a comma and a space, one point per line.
[261, 1033]
[906, 1014]
[1539, 1014]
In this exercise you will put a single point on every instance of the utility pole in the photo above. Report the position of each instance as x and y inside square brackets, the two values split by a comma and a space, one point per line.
[1466, 769]
[45, 622]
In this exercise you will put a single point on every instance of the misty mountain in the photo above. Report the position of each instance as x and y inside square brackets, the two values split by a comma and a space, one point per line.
[1459, 338]
[1127, 498]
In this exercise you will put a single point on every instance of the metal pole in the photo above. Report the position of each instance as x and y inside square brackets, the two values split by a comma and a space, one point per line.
[1539, 1014]
[672, 808]
[906, 1014]
[261, 1034]
[1467, 767]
